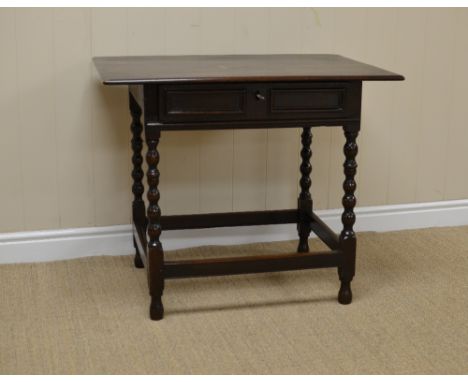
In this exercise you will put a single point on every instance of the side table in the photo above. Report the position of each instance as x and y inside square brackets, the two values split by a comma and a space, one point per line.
[235, 92]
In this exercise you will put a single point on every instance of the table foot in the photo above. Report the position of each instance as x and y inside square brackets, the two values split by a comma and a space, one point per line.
[156, 309]
[303, 246]
[137, 261]
[345, 296]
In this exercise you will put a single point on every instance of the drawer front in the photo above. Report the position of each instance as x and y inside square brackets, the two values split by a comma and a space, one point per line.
[202, 103]
[307, 100]
[258, 101]
[314, 100]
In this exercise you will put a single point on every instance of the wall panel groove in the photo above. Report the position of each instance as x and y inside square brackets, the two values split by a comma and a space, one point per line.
[38, 148]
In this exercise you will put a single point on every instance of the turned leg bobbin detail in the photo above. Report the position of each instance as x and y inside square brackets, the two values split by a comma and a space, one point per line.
[138, 205]
[348, 236]
[305, 199]
[155, 249]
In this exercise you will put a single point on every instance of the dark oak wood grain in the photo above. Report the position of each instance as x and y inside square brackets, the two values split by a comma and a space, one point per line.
[250, 264]
[348, 218]
[155, 249]
[229, 219]
[255, 101]
[237, 68]
[225, 92]
[138, 204]
[304, 203]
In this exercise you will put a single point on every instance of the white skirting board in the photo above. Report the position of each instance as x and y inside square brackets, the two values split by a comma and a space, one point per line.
[64, 244]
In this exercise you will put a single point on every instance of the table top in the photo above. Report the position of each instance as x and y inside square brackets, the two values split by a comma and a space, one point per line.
[128, 70]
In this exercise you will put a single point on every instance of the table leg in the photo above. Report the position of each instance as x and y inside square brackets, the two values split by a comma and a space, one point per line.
[304, 203]
[347, 236]
[138, 205]
[155, 249]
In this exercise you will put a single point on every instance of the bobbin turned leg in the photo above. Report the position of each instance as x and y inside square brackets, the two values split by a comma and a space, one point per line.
[304, 203]
[347, 236]
[155, 249]
[138, 205]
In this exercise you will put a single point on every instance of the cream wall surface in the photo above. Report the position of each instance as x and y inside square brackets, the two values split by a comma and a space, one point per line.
[64, 138]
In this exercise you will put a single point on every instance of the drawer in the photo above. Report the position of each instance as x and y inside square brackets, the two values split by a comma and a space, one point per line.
[307, 100]
[202, 103]
[258, 101]
[314, 100]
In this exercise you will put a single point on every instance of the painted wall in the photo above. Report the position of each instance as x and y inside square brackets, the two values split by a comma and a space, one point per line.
[64, 138]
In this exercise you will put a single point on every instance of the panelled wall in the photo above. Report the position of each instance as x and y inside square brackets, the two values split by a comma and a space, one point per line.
[64, 138]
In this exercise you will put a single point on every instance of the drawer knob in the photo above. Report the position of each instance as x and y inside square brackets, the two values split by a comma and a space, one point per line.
[260, 96]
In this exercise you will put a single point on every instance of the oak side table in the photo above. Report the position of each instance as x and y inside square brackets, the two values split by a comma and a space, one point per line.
[236, 92]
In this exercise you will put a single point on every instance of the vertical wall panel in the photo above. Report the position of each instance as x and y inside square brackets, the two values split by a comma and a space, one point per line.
[38, 151]
[251, 31]
[282, 165]
[377, 109]
[456, 184]
[404, 138]
[72, 54]
[282, 169]
[321, 142]
[183, 30]
[146, 31]
[11, 201]
[436, 98]
[249, 174]
[111, 121]
[216, 155]
[285, 32]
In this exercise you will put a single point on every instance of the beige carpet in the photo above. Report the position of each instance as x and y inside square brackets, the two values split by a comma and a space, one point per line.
[409, 315]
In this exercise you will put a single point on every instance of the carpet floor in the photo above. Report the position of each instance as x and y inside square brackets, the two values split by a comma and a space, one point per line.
[90, 315]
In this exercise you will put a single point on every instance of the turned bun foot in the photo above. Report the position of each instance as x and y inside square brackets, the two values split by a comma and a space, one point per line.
[345, 296]
[137, 261]
[156, 309]
[303, 247]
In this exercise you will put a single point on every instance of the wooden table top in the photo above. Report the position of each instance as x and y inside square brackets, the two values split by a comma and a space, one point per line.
[236, 68]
